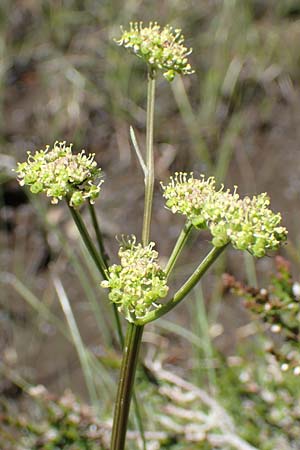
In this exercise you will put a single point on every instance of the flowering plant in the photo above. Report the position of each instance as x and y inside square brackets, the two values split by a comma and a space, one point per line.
[138, 284]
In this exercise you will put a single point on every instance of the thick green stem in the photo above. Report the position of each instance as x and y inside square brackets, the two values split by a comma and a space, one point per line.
[185, 289]
[125, 387]
[134, 333]
[149, 176]
[181, 241]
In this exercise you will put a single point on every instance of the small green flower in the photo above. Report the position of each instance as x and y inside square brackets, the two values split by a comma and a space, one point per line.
[137, 282]
[249, 224]
[59, 173]
[160, 48]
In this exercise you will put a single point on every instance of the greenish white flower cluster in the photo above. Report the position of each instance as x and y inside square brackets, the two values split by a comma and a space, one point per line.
[137, 282]
[248, 223]
[59, 173]
[160, 48]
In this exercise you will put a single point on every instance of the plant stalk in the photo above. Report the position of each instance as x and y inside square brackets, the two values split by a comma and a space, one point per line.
[185, 289]
[181, 241]
[134, 332]
[125, 387]
[149, 176]
[100, 261]
[98, 233]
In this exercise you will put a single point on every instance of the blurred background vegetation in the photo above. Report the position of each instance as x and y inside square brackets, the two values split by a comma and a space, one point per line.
[62, 77]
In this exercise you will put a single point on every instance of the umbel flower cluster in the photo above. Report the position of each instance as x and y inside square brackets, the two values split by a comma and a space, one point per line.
[59, 173]
[247, 223]
[160, 48]
[137, 282]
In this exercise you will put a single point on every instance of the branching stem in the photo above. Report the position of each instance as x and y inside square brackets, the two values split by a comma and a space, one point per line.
[98, 233]
[98, 259]
[181, 241]
[101, 264]
[134, 332]
[185, 289]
